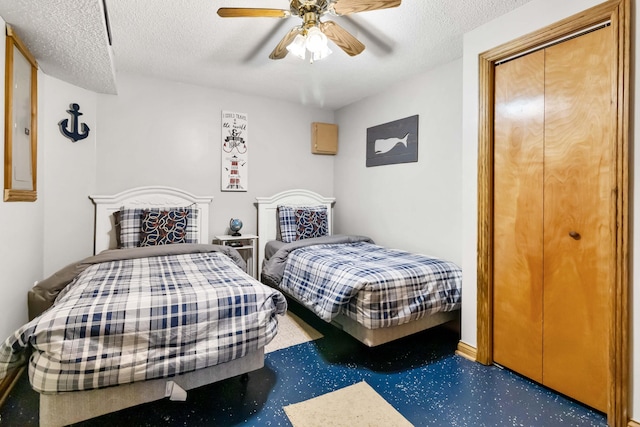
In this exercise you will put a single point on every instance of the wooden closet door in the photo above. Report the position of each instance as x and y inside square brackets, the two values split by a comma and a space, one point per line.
[553, 195]
[518, 197]
[578, 198]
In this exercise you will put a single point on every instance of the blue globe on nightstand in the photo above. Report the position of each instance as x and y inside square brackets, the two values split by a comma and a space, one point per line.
[235, 225]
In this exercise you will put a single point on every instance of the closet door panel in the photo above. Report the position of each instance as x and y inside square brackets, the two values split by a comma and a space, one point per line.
[577, 205]
[517, 269]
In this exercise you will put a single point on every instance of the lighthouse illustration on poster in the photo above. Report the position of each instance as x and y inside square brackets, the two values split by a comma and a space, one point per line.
[234, 157]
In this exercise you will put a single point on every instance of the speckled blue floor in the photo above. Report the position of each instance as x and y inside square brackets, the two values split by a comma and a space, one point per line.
[420, 376]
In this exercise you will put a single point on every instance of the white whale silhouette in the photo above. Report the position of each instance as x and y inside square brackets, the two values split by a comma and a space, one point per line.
[382, 146]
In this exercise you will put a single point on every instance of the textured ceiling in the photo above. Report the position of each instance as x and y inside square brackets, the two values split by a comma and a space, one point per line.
[68, 39]
[186, 41]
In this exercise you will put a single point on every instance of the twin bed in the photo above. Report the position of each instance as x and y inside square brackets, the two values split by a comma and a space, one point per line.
[136, 324]
[375, 294]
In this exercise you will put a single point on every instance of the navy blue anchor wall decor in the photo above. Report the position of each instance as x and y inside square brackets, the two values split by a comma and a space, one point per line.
[72, 133]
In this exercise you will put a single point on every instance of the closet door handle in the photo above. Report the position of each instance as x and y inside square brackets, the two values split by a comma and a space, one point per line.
[575, 235]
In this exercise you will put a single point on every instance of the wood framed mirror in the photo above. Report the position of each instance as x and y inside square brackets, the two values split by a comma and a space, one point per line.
[21, 114]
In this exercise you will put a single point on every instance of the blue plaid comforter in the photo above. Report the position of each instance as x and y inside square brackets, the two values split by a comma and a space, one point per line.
[138, 319]
[375, 286]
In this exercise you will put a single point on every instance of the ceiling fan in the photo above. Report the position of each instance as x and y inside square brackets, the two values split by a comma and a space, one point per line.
[312, 34]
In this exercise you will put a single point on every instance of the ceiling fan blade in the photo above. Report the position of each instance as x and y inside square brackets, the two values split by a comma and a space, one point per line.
[246, 12]
[345, 7]
[342, 38]
[281, 49]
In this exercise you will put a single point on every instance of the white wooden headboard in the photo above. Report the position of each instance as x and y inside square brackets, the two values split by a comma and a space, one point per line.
[145, 197]
[268, 214]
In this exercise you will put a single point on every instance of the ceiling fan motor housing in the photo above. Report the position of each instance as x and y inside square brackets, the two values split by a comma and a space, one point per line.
[303, 7]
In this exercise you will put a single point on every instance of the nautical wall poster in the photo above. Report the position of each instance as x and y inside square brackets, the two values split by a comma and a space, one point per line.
[235, 167]
[393, 142]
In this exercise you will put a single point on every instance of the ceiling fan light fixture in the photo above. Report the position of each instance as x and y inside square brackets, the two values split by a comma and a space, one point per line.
[298, 46]
[312, 40]
[316, 40]
[322, 53]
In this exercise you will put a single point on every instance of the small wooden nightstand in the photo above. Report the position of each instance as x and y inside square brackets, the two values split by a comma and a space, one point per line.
[247, 245]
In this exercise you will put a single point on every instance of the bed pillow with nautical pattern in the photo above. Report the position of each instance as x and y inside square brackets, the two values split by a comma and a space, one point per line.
[163, 227]
[311, 222]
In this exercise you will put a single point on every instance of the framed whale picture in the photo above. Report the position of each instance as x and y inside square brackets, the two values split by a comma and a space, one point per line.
[393, 142]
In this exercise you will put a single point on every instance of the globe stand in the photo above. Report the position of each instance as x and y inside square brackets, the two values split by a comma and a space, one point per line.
[235, 225]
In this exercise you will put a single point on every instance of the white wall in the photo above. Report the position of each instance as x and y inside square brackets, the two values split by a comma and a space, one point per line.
[530, 17]
[157, 132]
[68, 177]
[21, 228]
[411, 206]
